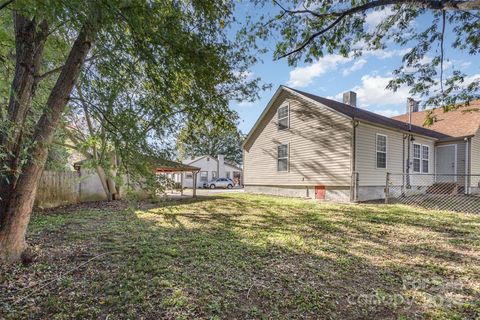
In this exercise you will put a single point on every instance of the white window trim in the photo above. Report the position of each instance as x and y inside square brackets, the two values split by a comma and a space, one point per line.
[287, 157]
[421, 158]
[287, 117]
[376, 151]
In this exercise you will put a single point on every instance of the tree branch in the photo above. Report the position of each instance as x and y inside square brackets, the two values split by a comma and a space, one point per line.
[5, 4]
[313, 36]
[442, 51]
[53, 71]
[426, 4]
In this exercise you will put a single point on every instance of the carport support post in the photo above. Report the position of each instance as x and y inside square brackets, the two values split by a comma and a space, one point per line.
[387, 187]
[181, 183]
[194, 184]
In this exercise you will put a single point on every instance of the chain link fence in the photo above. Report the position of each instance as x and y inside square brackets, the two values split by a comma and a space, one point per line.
[454, 192]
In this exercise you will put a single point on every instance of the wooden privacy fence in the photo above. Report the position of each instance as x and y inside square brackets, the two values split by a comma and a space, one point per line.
[61, 188]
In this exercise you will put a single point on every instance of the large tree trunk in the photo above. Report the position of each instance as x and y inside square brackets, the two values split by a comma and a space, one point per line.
[28, 57]
[17, 216]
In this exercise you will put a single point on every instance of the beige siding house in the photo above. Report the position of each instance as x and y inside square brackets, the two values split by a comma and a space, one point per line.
[318, 143]
[308, 146]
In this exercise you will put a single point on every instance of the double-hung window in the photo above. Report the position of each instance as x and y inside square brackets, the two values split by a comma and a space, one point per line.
[425, 158]
[381, 148]
[203, 175]
[421, 158]
[417, 157]
[282, 117]
[282, 158]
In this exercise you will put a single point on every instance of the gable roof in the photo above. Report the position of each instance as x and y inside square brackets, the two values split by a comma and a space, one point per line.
[226, 161]
[455, 123]
[353, 113]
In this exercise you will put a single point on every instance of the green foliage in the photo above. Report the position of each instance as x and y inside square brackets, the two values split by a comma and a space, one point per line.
[57, 158]
[153, 66]
[210, 139]
[311, 29]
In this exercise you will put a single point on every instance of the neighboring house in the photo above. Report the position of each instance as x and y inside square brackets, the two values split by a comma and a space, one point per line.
[212, 168]
[309, 146]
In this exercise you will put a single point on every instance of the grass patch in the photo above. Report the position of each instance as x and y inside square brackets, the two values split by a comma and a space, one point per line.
[248, 256]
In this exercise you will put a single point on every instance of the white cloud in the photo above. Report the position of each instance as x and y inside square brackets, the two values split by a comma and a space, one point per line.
[387, 112]
[304, 76]
[373, 91]
[385, 54]
[357, 65]
[372, 19]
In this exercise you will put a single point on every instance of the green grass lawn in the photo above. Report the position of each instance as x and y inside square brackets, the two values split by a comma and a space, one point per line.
[242, 256]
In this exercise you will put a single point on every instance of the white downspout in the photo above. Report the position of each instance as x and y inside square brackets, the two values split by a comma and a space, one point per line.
[467, 164]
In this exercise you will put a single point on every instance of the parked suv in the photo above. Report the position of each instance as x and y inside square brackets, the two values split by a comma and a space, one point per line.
[219, 183]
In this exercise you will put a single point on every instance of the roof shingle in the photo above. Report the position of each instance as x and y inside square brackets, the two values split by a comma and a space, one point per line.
[465, 121]
[362, 114]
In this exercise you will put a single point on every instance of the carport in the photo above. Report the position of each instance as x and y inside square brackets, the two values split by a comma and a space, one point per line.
[168, 166]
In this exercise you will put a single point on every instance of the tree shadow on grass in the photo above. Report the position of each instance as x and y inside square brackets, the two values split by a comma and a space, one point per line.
[234, 258]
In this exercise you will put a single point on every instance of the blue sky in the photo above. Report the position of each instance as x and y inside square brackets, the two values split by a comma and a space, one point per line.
[332, 75]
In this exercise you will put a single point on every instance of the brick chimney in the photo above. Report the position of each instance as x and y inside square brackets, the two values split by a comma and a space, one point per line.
[221, 166]
[412, 105]
[350, 98]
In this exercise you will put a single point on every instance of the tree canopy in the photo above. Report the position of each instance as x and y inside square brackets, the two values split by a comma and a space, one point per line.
[144, 67]
[211, 139]
[309, 29]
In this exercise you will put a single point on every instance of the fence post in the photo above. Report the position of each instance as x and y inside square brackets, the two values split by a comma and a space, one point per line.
[387, 187]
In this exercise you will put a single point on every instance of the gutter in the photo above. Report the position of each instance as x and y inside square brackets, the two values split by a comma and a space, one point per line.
[467, 165]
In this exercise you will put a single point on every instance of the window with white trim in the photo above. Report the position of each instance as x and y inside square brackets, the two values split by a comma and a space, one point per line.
[282, 158]
[381, 149]
[214, 174]
[283, 117]
[425, 158]
[417, 156]
[203, 175]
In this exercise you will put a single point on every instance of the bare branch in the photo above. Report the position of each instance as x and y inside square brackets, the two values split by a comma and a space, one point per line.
[313, 36]
[442, 51]
[55, 70]
[426, 4]
[306, 10]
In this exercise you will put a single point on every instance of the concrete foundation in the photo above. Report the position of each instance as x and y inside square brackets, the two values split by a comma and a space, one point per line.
[336, 194]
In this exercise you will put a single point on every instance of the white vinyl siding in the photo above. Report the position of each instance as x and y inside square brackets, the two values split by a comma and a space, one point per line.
[319, 142]
[369, 174]
[475, 153]
[381, 149]
[283, 117]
